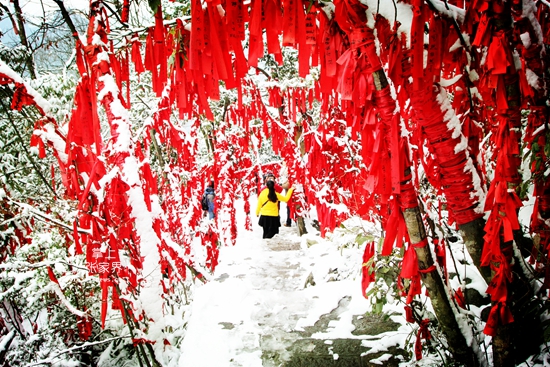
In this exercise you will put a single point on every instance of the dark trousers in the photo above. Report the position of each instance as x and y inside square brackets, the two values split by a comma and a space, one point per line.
[270, 225]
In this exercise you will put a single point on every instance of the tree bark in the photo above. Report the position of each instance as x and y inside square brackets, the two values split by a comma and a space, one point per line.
[438, 292]
[431, 279]
[67, 17]
[503, 355]
[301, 226]
[472, 234]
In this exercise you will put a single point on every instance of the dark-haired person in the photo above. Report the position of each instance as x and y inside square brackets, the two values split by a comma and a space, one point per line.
[269, 175]
[210, 194]
[268, 208]
[278, 188]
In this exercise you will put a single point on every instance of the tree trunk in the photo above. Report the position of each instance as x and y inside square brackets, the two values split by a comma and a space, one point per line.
[438, 292]
[432, 279]
[472, 234]
[23, 37]
[432, 114]
[301, 226]
[503, 355]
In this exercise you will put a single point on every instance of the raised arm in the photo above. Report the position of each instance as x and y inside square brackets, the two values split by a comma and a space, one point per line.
[286, 197]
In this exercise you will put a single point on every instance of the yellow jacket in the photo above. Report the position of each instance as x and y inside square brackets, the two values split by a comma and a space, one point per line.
[270, 208]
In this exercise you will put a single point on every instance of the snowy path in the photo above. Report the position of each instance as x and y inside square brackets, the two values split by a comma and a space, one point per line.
[270, 300]
[258, 302]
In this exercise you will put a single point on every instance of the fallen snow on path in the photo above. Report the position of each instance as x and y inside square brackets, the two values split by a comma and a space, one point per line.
[258, 295]
[261, 292]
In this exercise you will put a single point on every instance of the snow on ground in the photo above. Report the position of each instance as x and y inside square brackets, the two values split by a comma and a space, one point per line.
[258, 296]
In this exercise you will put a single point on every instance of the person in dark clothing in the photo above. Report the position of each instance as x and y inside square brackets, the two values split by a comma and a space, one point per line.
[210, 195]
[288, 221]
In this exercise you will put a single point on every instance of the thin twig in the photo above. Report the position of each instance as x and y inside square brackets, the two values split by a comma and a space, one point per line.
[46, 218]
[27, 153]
[79, 347]
[129, 323]
[67, 17]
[24, 264]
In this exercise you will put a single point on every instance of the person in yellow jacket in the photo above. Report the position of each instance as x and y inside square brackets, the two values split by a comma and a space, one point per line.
[268, 208]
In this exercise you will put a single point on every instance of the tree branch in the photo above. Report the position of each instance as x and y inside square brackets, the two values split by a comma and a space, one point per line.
[77, 348]
[46, 218]
[27, 153]
[67, 17]
[23, 37]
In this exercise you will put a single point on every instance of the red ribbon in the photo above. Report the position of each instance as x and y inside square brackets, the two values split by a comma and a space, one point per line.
[423, 333]
[136, 55]
[368, 271]
[500, 314]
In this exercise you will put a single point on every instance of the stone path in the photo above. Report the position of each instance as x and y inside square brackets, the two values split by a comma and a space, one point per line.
[282, 320]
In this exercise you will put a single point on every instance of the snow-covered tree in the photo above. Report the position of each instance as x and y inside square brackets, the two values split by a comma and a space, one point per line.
[420, 115]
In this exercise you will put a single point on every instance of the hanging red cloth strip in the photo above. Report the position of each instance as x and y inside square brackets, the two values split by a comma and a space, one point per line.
[219, 46]
[290, 21]
[125, 11]
[255, 40]
[423, 333]
[196, 44]
[273, 28]
[417, 44]
[234, 14]
[160, 51]
[396, 228]
[368, 271]
[136, 55]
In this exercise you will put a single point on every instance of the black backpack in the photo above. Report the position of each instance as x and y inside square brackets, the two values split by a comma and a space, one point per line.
[204, 202]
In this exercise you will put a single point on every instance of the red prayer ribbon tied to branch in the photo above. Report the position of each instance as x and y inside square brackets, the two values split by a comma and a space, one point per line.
[455, 173]
[367, 270]
[536, 135]
[422, 333]
[24, 97]
[112, 228]
[411, 270]
[498, 78]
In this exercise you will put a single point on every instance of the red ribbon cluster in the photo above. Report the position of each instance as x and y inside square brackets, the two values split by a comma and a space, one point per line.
[448, 165]
[423, 331]
[11, 223]
[330, 166]
[351, 78]
[536, 131]
[499, 76]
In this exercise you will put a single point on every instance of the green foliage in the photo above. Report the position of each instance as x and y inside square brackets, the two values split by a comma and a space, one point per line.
[352, 234]
[288, 70]
[538, 159]
[14, 57]
[154, 5]
[384, 289]
[33, 308]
